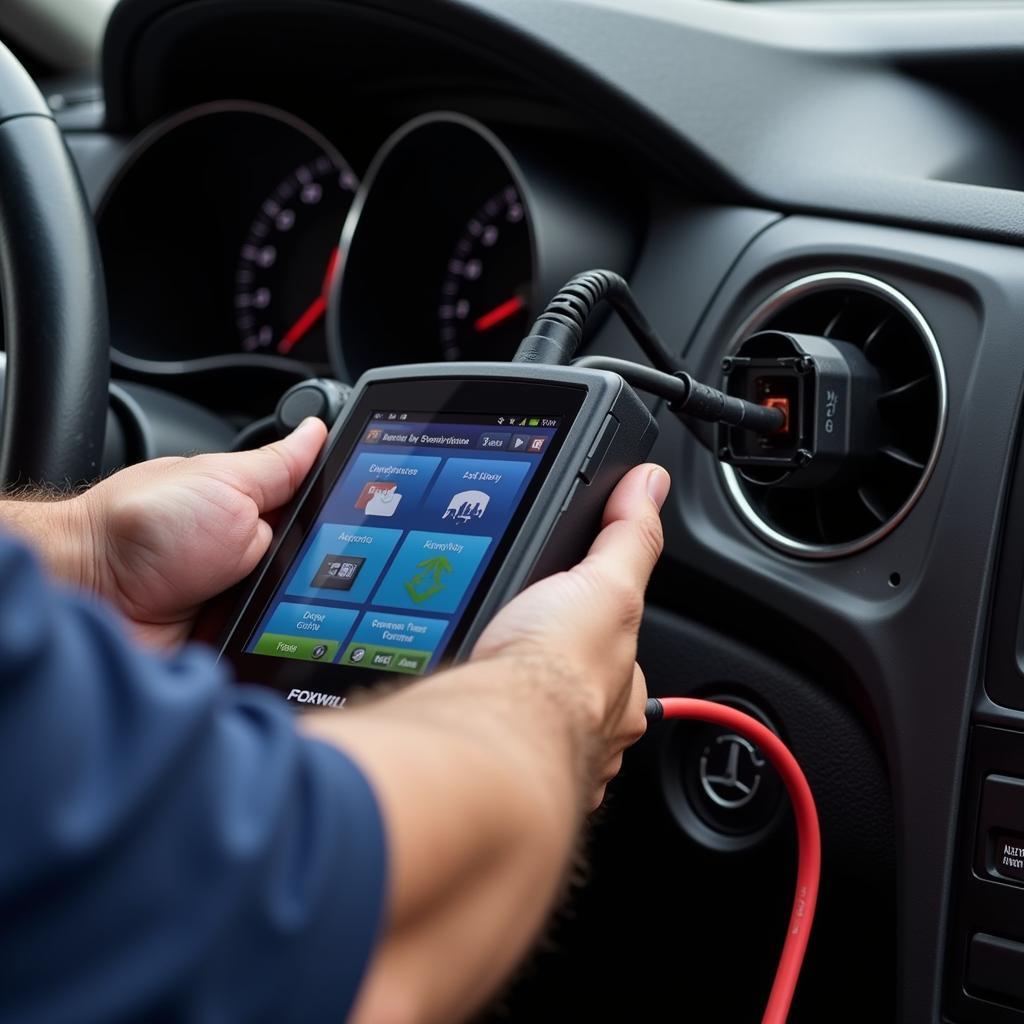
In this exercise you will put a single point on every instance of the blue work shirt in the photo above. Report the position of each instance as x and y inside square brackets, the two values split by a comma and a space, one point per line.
[170, 847]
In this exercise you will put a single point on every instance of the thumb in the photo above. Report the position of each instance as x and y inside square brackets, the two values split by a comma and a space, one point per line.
[272, 474]
[631, 540]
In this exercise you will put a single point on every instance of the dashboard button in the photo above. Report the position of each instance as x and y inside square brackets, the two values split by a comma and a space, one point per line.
[995, 967]
[1008, 856]
[1000, 852]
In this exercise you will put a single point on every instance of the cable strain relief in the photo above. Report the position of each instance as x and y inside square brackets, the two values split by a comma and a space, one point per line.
[552, 340]
[701, 400]
[654, 710]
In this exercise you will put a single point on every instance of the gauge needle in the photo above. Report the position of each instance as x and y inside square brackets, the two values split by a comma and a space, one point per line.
[508, 308]
[315, 310]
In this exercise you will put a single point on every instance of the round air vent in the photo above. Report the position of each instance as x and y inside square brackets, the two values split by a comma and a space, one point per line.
[839, 519]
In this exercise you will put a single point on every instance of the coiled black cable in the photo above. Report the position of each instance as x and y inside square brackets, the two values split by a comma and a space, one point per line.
[557, 332]
[556, 335]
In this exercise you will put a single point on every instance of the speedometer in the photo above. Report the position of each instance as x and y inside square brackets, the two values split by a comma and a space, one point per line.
[485, 294]
[455, 241]
[287, 260]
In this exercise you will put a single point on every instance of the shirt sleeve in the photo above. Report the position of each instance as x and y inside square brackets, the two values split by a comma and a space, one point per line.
[170, 846]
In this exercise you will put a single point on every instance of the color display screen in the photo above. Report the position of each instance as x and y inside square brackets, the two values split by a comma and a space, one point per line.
[403, 539]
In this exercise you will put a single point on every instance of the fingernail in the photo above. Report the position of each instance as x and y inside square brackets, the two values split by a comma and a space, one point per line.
[658, 484]
[307, 423]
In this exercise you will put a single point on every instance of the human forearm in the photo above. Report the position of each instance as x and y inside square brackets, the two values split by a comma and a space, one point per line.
[473, 873]
[59, 530]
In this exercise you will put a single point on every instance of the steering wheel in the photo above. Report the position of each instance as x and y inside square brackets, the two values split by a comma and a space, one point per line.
[54, 303]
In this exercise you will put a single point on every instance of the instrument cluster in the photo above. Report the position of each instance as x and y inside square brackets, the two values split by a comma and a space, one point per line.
[236, 234]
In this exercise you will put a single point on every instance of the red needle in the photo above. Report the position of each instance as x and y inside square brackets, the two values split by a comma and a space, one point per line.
[316, 309]
[499, 313]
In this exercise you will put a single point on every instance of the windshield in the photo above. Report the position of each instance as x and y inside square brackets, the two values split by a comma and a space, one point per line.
[65, 34]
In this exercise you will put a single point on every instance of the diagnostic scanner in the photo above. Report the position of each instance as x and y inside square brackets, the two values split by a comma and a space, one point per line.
[442, 491]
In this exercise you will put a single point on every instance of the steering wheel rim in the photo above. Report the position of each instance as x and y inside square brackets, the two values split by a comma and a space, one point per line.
[54, 302]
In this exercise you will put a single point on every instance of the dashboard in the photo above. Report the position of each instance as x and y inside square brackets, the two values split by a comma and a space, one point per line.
[311, 188]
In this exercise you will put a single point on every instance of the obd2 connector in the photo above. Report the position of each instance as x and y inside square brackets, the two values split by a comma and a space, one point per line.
[828, 391]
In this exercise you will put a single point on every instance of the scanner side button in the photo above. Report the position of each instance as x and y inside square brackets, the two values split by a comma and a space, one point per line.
[572, 494]
[599, 449]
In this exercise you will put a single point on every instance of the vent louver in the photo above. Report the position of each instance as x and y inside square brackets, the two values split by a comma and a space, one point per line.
[842, 518]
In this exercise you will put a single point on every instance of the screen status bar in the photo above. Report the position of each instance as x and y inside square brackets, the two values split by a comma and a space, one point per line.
[528, 435]
[516, 420]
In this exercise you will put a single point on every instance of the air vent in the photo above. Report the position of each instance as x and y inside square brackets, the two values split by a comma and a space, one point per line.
[839, 519]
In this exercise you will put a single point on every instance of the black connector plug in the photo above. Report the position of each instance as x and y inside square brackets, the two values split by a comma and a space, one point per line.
[703, 402]
[688, 398]
[827, 391]
[654, 710]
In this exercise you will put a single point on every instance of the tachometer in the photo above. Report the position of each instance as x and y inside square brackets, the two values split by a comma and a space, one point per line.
[485, 294]
[287, 260]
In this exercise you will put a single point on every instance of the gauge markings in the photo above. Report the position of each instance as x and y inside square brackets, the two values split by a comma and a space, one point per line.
[486, 286]
[280, 285]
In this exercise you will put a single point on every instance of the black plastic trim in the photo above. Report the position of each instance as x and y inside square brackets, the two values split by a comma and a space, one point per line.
[877, 143]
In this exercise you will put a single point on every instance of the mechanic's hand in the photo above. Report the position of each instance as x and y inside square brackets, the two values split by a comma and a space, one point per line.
[170, 534]
[586, 622]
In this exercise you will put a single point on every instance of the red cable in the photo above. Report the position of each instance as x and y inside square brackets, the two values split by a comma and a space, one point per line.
[807, 833]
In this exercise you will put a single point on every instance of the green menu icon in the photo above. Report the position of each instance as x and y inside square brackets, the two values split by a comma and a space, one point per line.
[430, 579]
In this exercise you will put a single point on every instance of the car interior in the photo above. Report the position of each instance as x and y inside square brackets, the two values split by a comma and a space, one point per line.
[270, 193]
